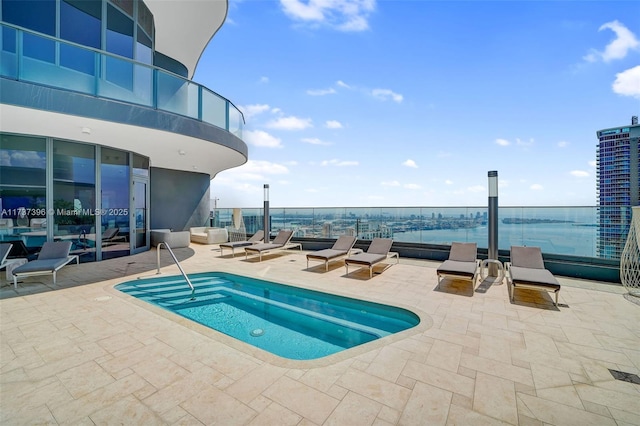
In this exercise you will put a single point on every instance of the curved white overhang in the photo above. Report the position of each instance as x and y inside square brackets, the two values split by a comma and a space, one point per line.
[185, 27]
[165, 149]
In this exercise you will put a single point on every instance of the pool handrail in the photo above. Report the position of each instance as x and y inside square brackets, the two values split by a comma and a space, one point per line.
[175, 259]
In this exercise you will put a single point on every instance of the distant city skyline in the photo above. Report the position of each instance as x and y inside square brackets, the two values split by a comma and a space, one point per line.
[410, 103]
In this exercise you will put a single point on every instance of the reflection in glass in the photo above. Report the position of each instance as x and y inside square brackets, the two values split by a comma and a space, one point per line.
[114, 214]
[36, 15]
[74, 197]
[8, 59]
[22, 189]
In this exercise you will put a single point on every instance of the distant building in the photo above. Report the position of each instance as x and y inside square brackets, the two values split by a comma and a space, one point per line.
[618, 182]
[326, 230]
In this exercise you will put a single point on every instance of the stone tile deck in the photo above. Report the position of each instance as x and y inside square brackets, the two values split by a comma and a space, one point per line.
[84, 353]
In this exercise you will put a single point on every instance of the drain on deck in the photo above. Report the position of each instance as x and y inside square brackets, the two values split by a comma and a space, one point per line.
[625, 377]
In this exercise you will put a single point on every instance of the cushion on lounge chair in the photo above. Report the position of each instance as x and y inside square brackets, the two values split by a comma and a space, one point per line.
[380, 246]
[462, 262]
[343, 244]
[258, 236]
[377, 252]
[459, 268]
[281, 242]
[463, 252]
[53, 256]
[527, 257]
[40, 265]
[282, 238]
[326, 254]
[533, 276]
[366, 258]
[526, 270]
[57, 250]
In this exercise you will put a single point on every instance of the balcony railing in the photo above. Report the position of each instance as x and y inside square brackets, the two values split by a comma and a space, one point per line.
[37, 58]
[572, 231]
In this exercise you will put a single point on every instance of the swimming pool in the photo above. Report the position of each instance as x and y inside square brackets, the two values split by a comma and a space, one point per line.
[287, 321]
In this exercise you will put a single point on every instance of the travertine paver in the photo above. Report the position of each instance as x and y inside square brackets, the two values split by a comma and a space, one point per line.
[84, 353]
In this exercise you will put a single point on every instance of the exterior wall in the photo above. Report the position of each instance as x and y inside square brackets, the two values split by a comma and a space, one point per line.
[618, 186]
[178, 200]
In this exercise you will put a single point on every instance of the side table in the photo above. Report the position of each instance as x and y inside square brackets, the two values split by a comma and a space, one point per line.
[484, 265]
[13, 264]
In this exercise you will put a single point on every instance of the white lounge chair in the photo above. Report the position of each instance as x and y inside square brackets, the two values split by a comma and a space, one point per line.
[52, 257]
[377, 252]
[280, 242]
[341, 248]
[254, 239]
[526, 270]
[462, 263]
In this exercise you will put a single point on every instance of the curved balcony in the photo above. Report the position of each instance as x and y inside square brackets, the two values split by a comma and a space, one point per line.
[77, 81]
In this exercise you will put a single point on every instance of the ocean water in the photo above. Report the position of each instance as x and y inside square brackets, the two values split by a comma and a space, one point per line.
[556, 238]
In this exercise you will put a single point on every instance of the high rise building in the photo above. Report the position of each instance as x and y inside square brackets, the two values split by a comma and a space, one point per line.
[618, 182]
[102, 127]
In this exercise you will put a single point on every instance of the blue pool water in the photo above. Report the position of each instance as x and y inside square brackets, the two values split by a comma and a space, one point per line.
[287, 321]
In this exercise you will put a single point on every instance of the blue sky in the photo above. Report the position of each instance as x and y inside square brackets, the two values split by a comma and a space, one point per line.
[411, 103]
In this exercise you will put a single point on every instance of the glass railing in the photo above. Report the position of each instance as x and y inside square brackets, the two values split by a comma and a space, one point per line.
[37, 58]
[573, 231]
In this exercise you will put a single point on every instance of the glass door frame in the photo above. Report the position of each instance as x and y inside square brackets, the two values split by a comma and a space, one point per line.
[132, 217]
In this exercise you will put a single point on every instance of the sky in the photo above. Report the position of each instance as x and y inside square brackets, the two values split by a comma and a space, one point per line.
[409, 103]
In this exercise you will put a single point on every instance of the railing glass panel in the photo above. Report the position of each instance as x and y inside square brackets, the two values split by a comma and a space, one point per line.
[41, 59]
[556, 230]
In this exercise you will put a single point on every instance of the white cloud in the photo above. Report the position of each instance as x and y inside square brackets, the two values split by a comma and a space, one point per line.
[593, 163]
[290, 123]
[448, 182]
[264, 80]
[563, 144]
[503, 142]
[579, 173]
[627, 82]
[261, 138]
[390, 183]
[536, 187]
[251, 171]
[476, 188]
[625, 40]
[410, 163]
[338, 163]
[333, 124]
[341, 83]
[321, 92]
[524, 143]
[412, 186]
[386, 94]
[315, 141]
[252, 110]
[343, 15]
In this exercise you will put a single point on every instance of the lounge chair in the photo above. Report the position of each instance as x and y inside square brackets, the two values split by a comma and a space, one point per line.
[5, 248]
[526, 270]
[462, 263]
[280, 242]
[110, 236]
[377, 252]
[254, 239]
[52, 257]
[342, 247]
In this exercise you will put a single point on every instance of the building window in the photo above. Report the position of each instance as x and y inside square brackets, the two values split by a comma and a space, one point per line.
[23, 190]
[36, 15]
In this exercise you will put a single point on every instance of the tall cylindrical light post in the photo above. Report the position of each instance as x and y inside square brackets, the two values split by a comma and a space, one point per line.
[266, 213]
[493, 221]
